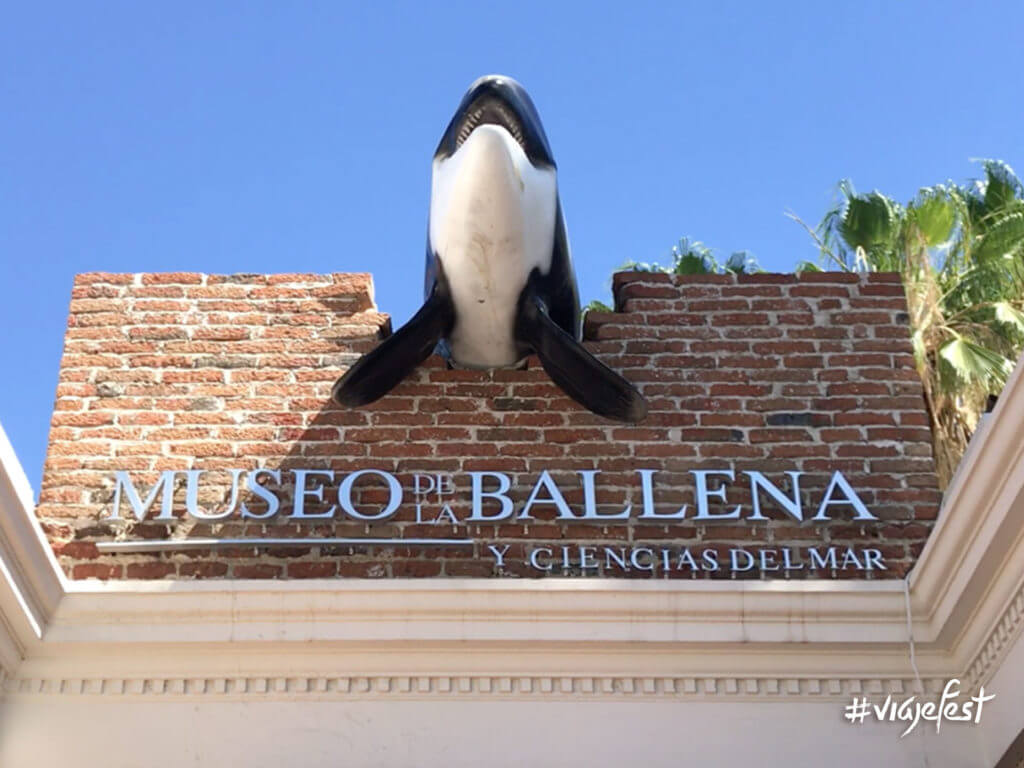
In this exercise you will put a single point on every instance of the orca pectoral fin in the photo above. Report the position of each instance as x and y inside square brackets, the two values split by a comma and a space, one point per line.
[582, 376]
[378, 372]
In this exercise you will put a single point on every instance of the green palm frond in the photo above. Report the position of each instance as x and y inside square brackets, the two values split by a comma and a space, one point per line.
[690, 264]
[808, 266]
[1004, 236]
[692, 257]
[982, 283]
[739, 263]
[934, 215]
[596, 306]
[1007, 314]
[1001, 185]
[869, 222]
[965, 362]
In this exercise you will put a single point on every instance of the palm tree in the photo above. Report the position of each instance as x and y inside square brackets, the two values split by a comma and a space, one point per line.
[960, 250]
[692, 257]
[689, 257]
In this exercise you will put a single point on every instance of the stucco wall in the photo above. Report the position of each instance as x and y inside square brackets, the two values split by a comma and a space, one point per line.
[88, 731]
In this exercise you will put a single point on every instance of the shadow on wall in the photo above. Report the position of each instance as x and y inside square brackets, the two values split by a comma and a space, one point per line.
[765, 373]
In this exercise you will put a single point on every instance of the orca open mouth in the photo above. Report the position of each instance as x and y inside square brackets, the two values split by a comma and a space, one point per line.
[501, 102]
[490, 111]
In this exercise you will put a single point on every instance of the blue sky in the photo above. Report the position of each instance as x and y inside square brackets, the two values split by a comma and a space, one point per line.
[280, 137]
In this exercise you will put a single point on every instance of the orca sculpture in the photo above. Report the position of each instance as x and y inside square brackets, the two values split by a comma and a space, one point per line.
[499, 278]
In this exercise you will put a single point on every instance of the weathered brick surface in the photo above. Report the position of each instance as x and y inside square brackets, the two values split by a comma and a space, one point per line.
[768, 372]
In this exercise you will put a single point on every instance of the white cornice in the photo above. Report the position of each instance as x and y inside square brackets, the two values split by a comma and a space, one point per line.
[548, 610]
[741, 638]
[31, 585]
[523, 685]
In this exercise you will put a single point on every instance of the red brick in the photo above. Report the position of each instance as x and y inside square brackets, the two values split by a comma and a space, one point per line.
[788, 435]
[203, 569]
[817, 291]
[685, 280]
[766, 278]
[863, 418]
[257, 571]
[80, 550]
[88, 278]
[828, 277]
[323, 569]
[740, 318]
[96, 571]
[163, 278]
[415, 568]
[884, 277]
[858, 388]
[152, 570]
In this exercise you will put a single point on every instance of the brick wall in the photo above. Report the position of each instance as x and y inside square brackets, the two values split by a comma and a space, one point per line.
[769, 372]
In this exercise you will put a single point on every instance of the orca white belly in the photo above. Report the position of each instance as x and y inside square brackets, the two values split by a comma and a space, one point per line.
[492, 221]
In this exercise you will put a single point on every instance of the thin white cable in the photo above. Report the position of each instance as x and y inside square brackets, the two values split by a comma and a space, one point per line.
[913, 662]
[910, 635]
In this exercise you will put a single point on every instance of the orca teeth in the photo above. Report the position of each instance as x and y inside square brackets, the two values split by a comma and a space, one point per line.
[507, 120]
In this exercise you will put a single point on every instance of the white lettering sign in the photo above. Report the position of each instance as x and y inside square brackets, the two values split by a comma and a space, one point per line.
[490, 497]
